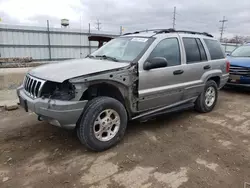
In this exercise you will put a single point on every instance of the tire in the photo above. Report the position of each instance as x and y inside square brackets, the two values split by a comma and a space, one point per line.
[201, 104]
[79, 120]
[102, 109]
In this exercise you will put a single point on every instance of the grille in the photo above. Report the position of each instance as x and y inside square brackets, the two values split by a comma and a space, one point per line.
[33, 86]
[239, 70]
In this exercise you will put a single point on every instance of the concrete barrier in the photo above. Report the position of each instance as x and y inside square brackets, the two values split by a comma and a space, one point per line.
[11, 78]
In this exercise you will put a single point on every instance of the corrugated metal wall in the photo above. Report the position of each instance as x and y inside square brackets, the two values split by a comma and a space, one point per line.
[65, 43]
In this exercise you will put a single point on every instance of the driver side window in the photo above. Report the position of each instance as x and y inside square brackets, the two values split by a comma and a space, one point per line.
[169, 49]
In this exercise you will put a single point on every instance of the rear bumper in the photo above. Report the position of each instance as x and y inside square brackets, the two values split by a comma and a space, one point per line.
[223, 80]
[60, 113]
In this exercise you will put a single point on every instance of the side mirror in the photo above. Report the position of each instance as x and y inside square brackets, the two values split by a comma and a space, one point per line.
[228, 54]
[156, 62]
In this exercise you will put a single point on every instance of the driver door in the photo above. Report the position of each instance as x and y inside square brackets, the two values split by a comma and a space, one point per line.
[162, 86]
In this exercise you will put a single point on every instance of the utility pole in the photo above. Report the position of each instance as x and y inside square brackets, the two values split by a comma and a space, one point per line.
[237, 39]
[120, 30]
[222, 29]
[98, 25]
[174, 17]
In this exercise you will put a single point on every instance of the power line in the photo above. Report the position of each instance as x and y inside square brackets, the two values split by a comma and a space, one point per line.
[174, 17]
[98, 25]
[156, 21]
[222, 29]
[160, 21]
[185, 18]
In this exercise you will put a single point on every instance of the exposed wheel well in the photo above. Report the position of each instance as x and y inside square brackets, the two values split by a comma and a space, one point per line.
[103, 89]
[216, 79]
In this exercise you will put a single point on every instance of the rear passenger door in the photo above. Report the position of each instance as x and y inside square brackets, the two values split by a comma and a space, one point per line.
[217, 55]
[196, 65]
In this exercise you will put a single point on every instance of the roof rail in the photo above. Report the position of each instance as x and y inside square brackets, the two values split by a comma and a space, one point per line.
[127, 33]
[146, 30]
[158, 31]
[132, 33]
[184, 31]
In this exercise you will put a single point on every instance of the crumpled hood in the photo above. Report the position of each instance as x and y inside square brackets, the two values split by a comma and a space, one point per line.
[61, 71]
[239, 61]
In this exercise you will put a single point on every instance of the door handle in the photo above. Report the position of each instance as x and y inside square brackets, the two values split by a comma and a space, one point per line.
[178, 72]
[206, 67]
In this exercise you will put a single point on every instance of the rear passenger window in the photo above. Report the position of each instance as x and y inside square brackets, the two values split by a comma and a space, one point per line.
[202, 50]
[214, 49]
[169, 49]
[192, 50]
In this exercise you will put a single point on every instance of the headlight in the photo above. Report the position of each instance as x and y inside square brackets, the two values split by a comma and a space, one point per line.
[60, 91]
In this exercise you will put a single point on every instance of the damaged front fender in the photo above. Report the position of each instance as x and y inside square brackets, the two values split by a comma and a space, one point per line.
[126, 80]
[124, 76]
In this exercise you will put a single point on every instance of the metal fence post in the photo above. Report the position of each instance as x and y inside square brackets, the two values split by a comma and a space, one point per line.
[49, 46]
[89, 41]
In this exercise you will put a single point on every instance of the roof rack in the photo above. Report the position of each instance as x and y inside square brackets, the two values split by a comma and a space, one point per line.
[158, 31]
[127, 33]
[146, 30]
[184, 31]
[136, 32]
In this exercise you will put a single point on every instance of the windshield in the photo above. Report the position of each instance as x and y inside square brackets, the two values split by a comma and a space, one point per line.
[242, 51]
[122, 49]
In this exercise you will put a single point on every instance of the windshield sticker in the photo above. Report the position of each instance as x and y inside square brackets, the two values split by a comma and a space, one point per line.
[139, 39]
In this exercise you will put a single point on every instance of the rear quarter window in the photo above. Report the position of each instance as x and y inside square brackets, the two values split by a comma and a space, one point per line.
[214, 49]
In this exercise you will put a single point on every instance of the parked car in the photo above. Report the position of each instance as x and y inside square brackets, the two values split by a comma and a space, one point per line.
[135, 76]
[229, 47]
[239, 67]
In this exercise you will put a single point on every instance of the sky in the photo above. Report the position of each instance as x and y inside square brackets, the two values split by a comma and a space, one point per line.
[132, 15]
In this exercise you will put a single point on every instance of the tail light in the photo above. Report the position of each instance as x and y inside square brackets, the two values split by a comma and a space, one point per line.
[227, 66]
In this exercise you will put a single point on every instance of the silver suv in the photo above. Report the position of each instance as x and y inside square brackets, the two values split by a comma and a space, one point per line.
[136, 76]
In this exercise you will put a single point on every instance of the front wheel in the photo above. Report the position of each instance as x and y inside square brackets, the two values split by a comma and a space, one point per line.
[103, 123]
[208, 98]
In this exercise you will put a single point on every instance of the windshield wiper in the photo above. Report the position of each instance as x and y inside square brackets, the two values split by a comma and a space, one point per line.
[108, 57]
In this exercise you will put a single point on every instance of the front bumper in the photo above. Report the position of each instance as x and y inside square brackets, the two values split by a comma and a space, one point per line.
[237, 85]
[60, 113]
[239, 81]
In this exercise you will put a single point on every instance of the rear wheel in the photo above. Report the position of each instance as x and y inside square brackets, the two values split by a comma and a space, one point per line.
[103, 123]
[208, 98]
